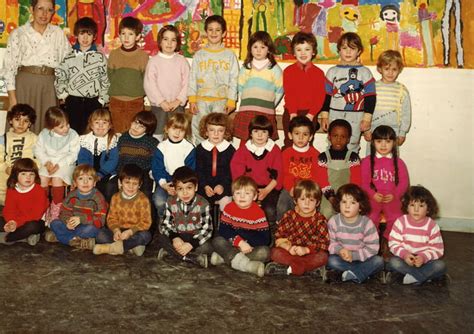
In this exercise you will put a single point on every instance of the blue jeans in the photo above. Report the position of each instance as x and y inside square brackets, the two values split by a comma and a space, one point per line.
[361, 269]
[140, 238]
[430, 270]
[160, 196]
[65, 235]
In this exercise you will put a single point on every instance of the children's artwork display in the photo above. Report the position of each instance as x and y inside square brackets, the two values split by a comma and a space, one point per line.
[428, 33]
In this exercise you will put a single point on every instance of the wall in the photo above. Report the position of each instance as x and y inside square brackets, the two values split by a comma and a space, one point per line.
[439, 150]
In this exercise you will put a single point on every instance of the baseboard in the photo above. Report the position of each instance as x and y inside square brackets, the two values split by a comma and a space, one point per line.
[456, 224]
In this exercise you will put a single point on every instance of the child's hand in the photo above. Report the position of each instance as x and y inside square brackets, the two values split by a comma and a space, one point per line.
[177, 243]
[418, 261]
[228, 109]
[73, 222]
[49, 166]
[262, 193]
[388, 198]
[218, 190]
[117, 235]
[175, 104]
[185, 248]
[55, 168]
[245, 247]
[292, 250]
[10, 226]
[410, 260]
[126, 234]
[193, 108]
[368, 136]
[378, 197]
[346, 255]
[301, 251]
[209, 191]
[165, 106]
[324, 124]
[364, 125]
[400, 140]
[169, 189]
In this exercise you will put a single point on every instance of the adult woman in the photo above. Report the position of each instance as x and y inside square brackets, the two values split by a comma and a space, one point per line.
[33, 51]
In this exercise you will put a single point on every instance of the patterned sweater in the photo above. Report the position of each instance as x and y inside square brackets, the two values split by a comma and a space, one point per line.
[137, 151]
[134, 213]
[311, 232]
[91, 208]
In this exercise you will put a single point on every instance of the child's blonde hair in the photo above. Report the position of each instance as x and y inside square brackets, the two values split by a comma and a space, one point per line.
[102, 114]
[54, 117]
[179, 121]
[244, 182]
[215, 118]
[390, 56]
[84, 169]
[308, 189]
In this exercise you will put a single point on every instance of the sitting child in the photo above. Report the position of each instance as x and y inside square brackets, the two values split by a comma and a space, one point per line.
[82, 213]
[25, 205]
[186, 229]
[129, 217]
[416, 240]
[302, 239]
[244, 234]
[354, 240]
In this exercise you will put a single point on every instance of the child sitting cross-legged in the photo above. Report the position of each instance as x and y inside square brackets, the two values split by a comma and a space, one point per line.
[302, 239]
[129, 217]
[82, 213]
[244, 234]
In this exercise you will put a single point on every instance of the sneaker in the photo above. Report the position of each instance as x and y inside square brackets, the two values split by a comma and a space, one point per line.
[80, 243]
[33, 239]
[139, 250]
[393, 277]
[274, 268]
[49, 236]
[196, 259]
[318, 273]
[203, 260]
[348, 276]
[256, 268]
[216, 259]
[409, 279]
[161, 254]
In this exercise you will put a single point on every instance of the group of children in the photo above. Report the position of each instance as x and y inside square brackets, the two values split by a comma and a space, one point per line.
[244, 207]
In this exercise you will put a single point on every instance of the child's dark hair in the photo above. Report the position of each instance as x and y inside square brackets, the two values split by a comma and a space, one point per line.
[265, 39]
[22, 109]
[184, 174]
[148, 120]
[260, 122]
[131, 171]
[244, 182]
[300, 121]
[180, 121]
[302, 37]
[383, 132]
[216, 118]
[33, 3]
[309, 188]
[422, 195]
[84, 169]
[54, 117]
[22, 165]
[85, 25]
[357, 193]
[353, 41]
[340, 123]
[131, 23]
[171, 28]
[215, 18]
[104, 115]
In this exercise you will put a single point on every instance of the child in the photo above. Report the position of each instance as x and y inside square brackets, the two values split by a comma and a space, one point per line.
[350, 90]
[81, 79]
[303, 83]
[393, 106]
[354, 240]
[56, 149]
[260, 158]
[243, 235]
[129, 217]
[213, 157]
[260, 85]
[340, 165]
[302, 239]
[299, 162]
[126, 70]
[213, 78]
[82, 213]
[416, 240]
[175, 151]
[166, 78]
[17, 143]
[186, 229]
[99, 147]
[25, 205]
[384, 178]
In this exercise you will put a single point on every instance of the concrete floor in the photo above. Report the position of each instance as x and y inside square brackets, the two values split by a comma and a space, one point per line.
[55, 289]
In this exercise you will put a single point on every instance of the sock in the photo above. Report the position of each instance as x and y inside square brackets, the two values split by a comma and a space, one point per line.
[409, 279]
[289, 271]
[348, 276]
[57, 194]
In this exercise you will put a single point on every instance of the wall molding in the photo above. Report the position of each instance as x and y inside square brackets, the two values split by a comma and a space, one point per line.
[456, 224]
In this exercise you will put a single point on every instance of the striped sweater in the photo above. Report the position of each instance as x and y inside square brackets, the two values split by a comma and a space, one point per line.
[420, 238]
[91, 208]
[360, 237]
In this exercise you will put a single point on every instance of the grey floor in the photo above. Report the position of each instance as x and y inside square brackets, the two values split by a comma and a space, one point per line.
[51, 288]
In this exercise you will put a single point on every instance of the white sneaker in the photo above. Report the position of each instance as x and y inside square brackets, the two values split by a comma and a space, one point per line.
[139, 250]
[161, 254]
[216, 259]
[33, 239]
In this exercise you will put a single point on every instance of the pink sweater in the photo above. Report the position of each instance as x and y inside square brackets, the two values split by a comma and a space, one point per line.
[384, 177]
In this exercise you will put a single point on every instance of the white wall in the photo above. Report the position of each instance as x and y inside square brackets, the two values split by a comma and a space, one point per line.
[439, 150]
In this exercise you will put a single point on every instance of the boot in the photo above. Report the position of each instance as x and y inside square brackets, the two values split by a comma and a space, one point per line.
[115, 248]
[216, 259]
[274, 268]
[49, 236]
[80, 243]
[242, 263]
[33, 239]
[198, 259]
[161, 254]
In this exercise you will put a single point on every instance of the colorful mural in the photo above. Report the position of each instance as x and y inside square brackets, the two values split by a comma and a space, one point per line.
[427, 32]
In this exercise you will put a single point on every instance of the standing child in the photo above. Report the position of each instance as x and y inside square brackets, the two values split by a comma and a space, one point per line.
[82, 213]
[260, 158]
[25, 205]
[354, 240]
[393, 106]
[17, 143]
[56, 149]
[174, 152]
[384, 178]
[129, 217]
[416, 240]
[99, 147]
[81, 79]
[260, 85]
[302, 239]
[303, 83]
[213, 78]
[243, 236]
[166, 78]
[126, 70]
[350, 90]
[186, 229]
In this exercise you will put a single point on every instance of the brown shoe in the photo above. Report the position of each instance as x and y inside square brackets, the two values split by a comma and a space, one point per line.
[80, 243]
[49, 236]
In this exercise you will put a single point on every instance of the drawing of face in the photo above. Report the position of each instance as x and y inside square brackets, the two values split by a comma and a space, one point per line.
[390, 13]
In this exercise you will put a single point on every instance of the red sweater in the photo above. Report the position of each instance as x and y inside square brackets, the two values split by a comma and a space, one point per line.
[25, 207]
[304, 88]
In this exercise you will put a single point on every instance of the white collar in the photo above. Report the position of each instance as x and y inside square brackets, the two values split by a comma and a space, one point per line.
[257, 150]
[378, 155]
[301, 149]
[222, 146]
[22, 191]
[136, 137]
[260, 64]
[162, 55]
[124, 196]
